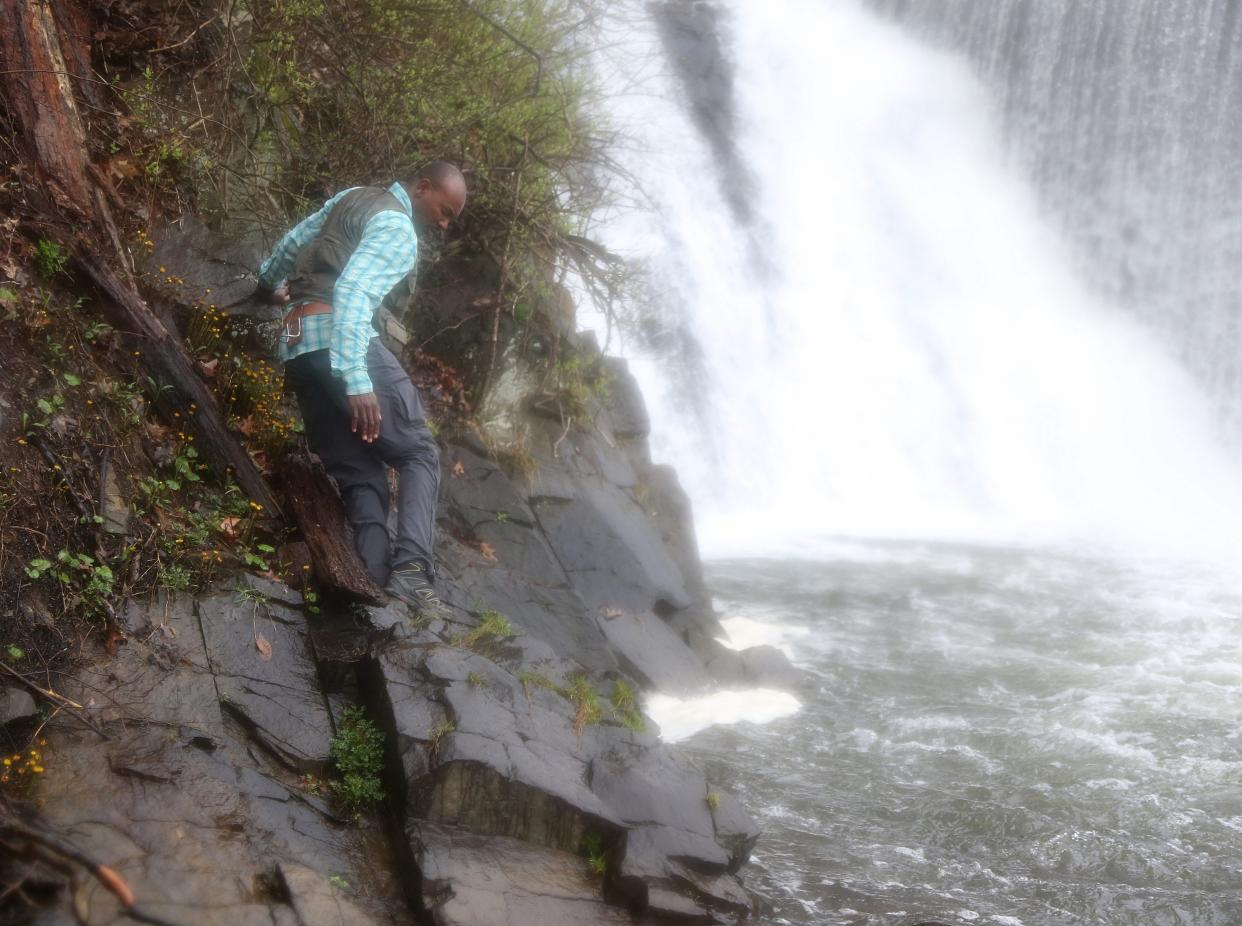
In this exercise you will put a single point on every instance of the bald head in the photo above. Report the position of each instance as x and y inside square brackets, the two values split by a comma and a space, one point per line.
[438, 194]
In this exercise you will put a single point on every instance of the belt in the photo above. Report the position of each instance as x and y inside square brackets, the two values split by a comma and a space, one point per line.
[291, 332]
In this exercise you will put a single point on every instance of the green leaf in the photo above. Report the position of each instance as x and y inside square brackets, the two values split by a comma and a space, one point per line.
[44, 406]
[73, 379]
[16, 653]
[266, 548]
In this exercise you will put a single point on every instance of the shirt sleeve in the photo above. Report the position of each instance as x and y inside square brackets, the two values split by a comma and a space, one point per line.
[384, 256]
[282, 259]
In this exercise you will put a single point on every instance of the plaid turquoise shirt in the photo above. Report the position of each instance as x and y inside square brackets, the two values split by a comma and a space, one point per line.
[384, 256]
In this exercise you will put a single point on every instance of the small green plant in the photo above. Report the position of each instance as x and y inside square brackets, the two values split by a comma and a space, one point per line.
[585, 701]
[358, 754]
[441, 730]
[252, 596]
[255, 560]
[77, 571]
[48, 407]
[502, 517]
[597, 859]
[173, 577]
[531, 680]
[713, 801]
[338, 882]
[625, 707]
[475, 680]
[493, 627]
[50, 258]
[15, 652]
[579, 381]
[310, 598]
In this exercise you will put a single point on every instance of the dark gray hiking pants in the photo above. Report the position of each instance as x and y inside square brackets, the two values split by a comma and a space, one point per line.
[404, 443]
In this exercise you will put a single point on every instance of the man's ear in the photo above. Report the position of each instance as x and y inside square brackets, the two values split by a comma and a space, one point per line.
[421, 185]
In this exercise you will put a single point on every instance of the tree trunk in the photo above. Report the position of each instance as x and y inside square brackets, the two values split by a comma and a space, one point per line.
[42, 53]
[316, 507]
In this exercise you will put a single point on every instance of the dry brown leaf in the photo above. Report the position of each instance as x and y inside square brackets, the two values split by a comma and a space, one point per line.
[231, 528]
[459, 469]
[488, 551]
[112, 638]
[157, 432]
[116, 884]
[209, 368]
[611, 614]
[264, 648]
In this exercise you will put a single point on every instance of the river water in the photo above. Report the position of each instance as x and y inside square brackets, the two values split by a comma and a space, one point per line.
[987, 735]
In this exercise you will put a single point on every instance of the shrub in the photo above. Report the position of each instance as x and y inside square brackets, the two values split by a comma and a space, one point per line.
[358, 754]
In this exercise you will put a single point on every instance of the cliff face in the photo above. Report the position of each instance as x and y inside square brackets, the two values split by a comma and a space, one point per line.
[522, 784]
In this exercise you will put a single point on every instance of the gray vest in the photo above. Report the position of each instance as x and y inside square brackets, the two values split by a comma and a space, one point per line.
[320, 262]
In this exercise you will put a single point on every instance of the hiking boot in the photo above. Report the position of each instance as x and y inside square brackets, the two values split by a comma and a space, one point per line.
[411, 584]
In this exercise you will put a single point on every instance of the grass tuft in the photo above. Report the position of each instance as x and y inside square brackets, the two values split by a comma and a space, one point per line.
[493, 628]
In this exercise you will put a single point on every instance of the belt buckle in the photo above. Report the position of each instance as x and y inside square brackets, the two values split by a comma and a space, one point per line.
[290, 337]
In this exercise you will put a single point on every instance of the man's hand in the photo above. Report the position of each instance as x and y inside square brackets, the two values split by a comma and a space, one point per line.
[365, 417]
[278, 296]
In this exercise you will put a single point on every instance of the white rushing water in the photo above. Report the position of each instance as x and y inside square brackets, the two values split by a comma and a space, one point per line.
[919, 358]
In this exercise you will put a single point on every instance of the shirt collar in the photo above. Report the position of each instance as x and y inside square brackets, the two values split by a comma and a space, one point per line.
[403, 197]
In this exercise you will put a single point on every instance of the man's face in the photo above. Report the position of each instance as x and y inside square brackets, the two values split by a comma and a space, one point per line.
[436, 205]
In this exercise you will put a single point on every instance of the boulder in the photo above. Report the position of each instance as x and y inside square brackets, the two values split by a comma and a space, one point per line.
[16, 704]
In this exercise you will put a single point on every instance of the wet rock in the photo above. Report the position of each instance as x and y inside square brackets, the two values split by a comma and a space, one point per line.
[316, 900]
[769, 665]
[160, 676]
[473, 880]
[625, 411]
[16, 704]
[266, 677]
[617, 564]
[193, 263]
[193, 827]
[249, 586]
[489, 753]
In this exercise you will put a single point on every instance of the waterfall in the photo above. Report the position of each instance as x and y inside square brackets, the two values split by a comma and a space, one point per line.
[902, 328]
[1126, 115]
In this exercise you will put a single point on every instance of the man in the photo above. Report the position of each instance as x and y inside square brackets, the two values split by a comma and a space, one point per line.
[359, 407]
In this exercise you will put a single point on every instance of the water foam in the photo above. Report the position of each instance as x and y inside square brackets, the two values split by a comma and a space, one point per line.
[680, 718]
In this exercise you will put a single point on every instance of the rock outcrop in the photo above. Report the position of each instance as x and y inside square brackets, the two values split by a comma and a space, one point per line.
[522, 783]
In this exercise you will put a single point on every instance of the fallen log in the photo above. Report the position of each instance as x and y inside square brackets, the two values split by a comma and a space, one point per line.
[312, 500]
